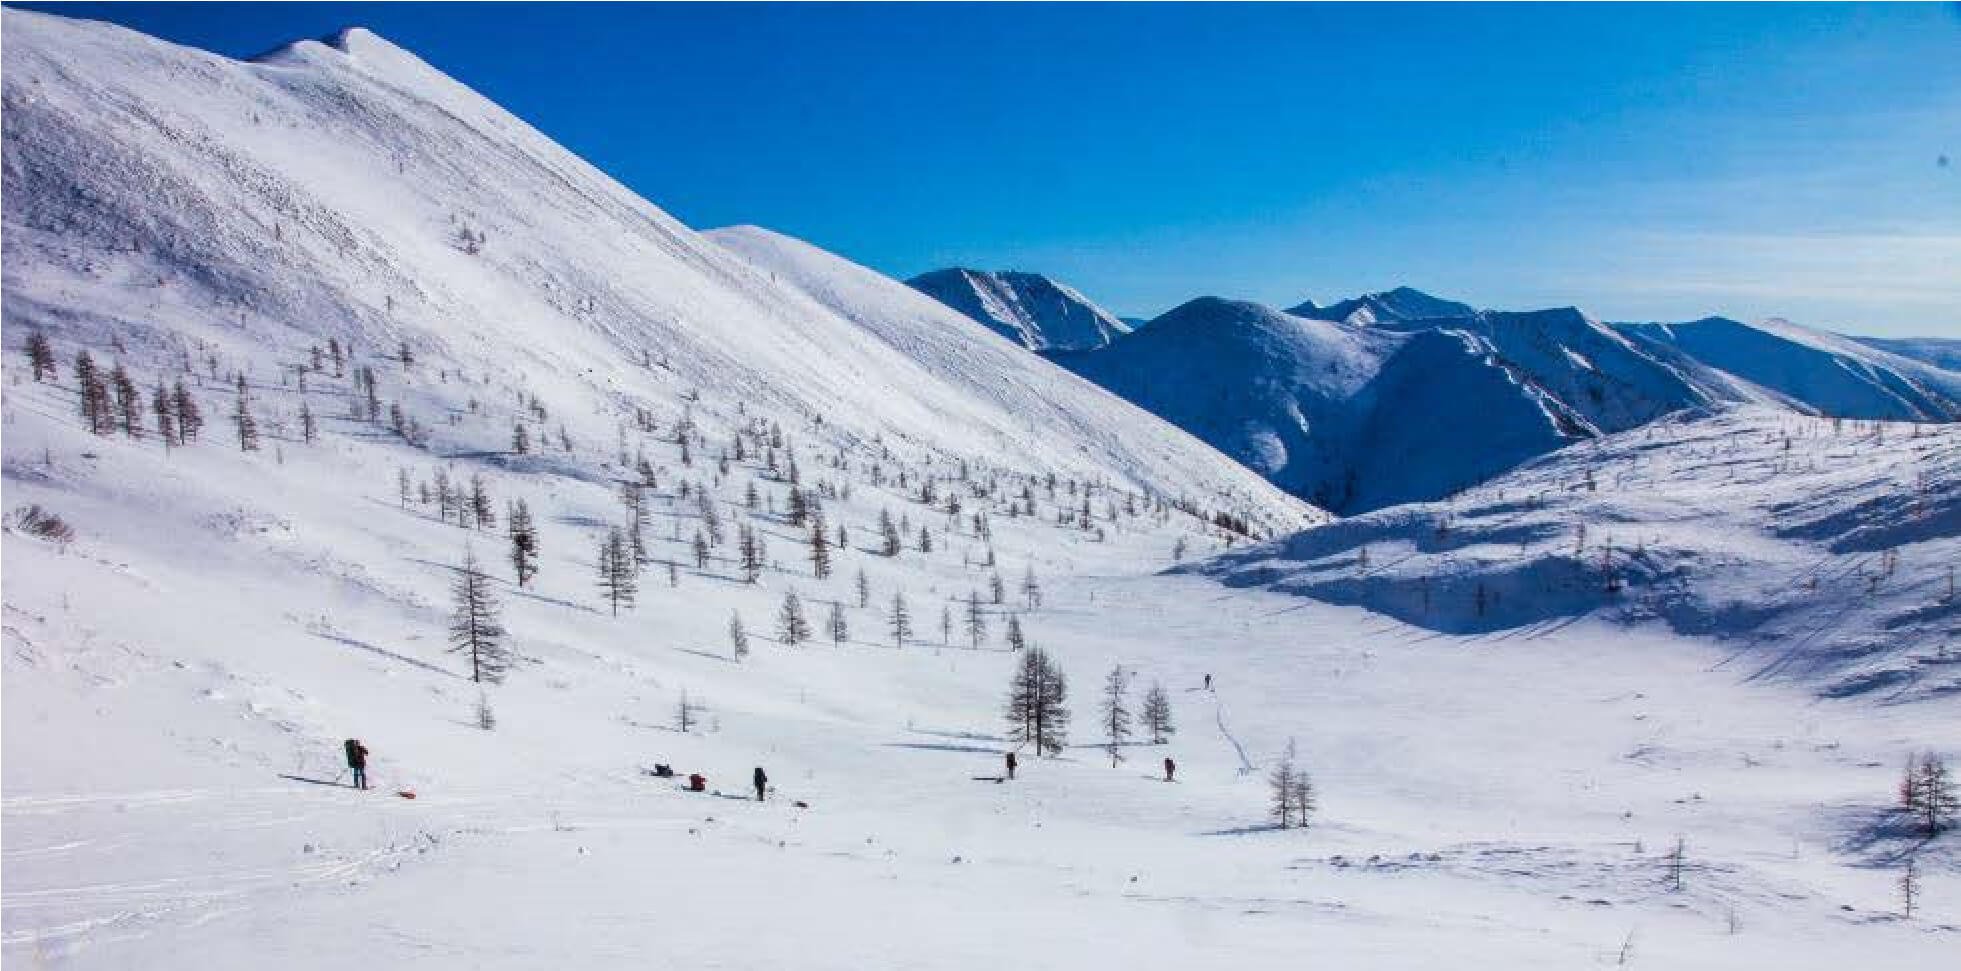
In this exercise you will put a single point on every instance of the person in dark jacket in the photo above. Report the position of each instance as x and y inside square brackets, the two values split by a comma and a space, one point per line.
[1012, 762]
[357, 760]
[1170, 767]
[762, 783]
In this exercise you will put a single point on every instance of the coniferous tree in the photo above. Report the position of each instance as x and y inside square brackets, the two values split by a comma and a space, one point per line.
[520, 438]
[1282, 784]
[791, 626]
[1927, 793]
[864, 587]
[617, 578]
[685, 712]
[373, 395]
[1116, 713]
[403, 486]
[1909, 886]
[1157, 714]
[635, 501]
[925, 540]
[710, 520]
[946, 625]
[40, 356]
[738, 636]
[1031, 589]
[750, 549]
[900, 620]
[474, 629]
[190, 419]
[976, 620]
[820, 546]
[799, 510]
[482, 513]
[309, 426]
[166, 412]
[701, 551]
[996, 591]
[1016, 641]
[524, 543]
[129, 401]
[242, 420]
[1037, 704]
[98, 410]
[888, 534]
[837, 628]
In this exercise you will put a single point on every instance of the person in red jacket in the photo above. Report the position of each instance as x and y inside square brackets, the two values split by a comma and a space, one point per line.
[357, 760]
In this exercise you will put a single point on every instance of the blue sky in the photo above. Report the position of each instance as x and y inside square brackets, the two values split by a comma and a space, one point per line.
[1650, 162]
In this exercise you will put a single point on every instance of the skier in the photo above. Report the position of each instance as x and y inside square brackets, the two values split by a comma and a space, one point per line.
[697, 782]
[1208, 682]
[1170, 767]
[1011, 766]
[762, 783]
[357, 759]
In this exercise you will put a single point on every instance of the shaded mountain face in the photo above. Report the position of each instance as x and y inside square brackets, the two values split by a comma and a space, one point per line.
[1400, 304]
[1358, 416]
[1028, 308]
[1812, 370]
[162, 198]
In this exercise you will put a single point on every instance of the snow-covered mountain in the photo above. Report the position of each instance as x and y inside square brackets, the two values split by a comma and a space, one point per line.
[1820, 550]
[348, 190]
[1941, 352]
[1400, 304]
[423, 313]
[1357, 416]
[1812, 370]
[1028, 308]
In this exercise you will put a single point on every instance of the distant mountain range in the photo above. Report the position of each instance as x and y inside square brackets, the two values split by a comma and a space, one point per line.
[1401, 396]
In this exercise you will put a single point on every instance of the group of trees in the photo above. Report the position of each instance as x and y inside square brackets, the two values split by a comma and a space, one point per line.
[1927, 793]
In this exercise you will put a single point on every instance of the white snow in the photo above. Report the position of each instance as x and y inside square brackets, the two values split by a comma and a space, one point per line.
[177, 681]
[1028, 308]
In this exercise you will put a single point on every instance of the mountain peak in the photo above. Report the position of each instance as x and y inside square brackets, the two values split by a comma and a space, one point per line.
[1028, 308]
[1401, 303]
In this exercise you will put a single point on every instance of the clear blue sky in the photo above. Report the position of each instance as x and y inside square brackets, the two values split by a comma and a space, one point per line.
[1655, 162]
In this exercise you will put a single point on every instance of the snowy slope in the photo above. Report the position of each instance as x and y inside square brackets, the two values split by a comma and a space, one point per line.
[177, 679]
[1822, 551]
[335, 190]
[1813, 370]
[1941, 352]
[1028, 308]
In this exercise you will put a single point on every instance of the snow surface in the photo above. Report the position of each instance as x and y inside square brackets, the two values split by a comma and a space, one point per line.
[1819, 551]
[1028, 308]
[177, 680]
[1941, 352]
[1814, 371]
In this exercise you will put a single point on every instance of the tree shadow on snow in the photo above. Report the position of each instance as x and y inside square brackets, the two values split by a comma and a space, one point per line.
[944, 747]
[335, 782]
[384, 652]
[1253, 830]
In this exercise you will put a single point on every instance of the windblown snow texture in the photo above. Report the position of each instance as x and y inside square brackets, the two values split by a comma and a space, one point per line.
[1030, 309]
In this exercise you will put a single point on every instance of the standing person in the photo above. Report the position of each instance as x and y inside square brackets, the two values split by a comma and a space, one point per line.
[1011, 766]
[357, 759]
[762, 783]
[1170, 768]
[1208, 682]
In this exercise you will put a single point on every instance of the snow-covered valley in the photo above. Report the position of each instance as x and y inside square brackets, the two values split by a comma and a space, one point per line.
[429, 312]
